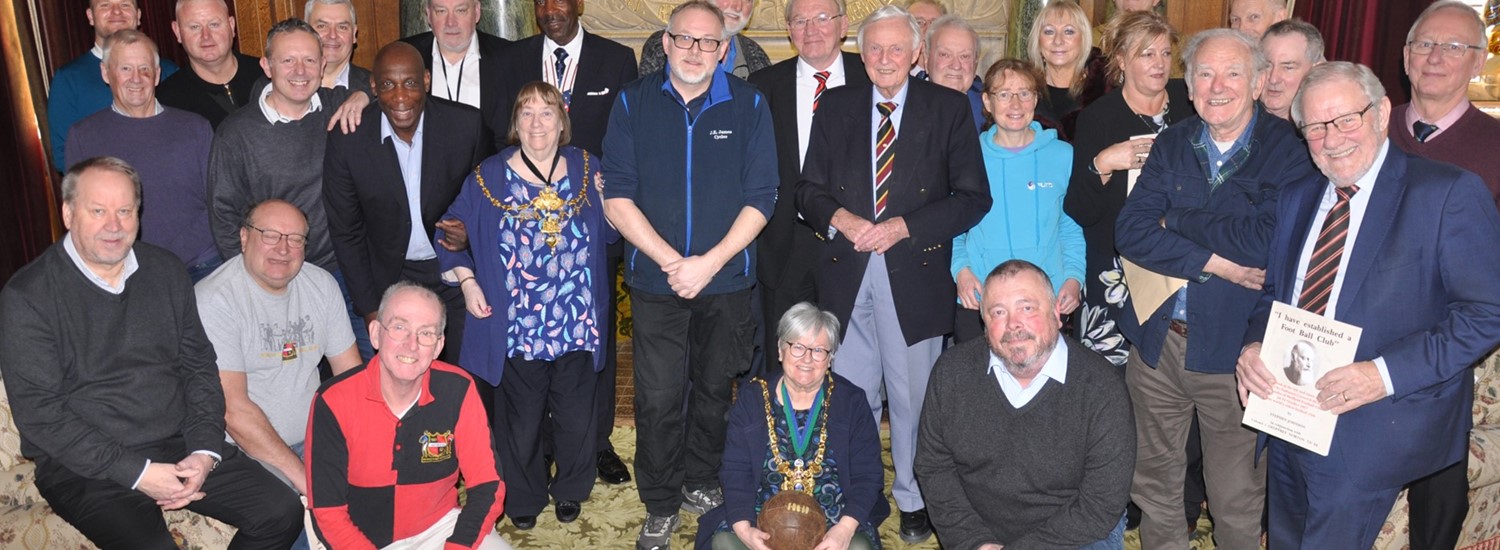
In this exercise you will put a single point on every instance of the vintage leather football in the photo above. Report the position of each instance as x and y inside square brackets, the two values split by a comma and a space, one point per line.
[794, 520]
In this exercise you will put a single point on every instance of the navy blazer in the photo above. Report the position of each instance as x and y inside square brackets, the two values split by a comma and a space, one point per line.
[938, 188]
[1420, 281]
[853, 444]
[1235, 222]
[604, 66]
[788, 247]
[364, 192]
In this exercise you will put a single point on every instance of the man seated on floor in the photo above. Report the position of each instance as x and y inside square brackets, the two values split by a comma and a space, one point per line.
[416, 425]
[1067, 485]
[112, 384]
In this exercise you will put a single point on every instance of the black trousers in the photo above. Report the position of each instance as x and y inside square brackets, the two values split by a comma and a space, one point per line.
[1439, 503]
[425, 273]
[240, 492]
[529, 390]
[774, 303]
[690, 349]
[604, 388]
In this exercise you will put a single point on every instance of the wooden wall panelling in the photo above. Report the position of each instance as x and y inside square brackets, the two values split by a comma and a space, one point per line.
[1193, 16]
[379, 24]
[254, 18]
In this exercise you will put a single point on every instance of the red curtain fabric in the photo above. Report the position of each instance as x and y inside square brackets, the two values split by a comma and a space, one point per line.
[1371, 32]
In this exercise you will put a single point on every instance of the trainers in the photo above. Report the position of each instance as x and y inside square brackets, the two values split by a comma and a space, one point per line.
[656, 533]
[700, 501]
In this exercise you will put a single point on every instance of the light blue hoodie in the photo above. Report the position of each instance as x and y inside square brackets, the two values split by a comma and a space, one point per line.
[1027, 220]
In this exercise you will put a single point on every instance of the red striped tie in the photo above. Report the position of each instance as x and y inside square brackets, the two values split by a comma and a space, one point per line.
[884, 155]
[822, 77]
[1317, 285]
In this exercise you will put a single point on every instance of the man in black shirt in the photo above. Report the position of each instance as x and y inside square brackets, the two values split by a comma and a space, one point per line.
[218, 79]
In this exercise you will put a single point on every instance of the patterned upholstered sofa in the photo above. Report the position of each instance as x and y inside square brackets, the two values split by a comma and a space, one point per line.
[1482, 526]
[27, 522]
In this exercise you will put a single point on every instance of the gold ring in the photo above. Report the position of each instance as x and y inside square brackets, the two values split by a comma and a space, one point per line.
[1346, 398]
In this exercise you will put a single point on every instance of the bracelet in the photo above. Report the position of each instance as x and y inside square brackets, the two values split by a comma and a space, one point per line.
[461, 281]
[1096, 171]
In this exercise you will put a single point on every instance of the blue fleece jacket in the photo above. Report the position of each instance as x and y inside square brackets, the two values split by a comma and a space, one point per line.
[1027, 221]
[691, 168]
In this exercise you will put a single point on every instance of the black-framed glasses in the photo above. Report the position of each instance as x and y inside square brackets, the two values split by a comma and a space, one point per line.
[273, 237]
[820, 20]
[1450, 49]
[425, 337]
[685, 42]
[1344, 123]
[799, 351]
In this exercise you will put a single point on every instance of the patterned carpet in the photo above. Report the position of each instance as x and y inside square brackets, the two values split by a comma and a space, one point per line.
[612, 517]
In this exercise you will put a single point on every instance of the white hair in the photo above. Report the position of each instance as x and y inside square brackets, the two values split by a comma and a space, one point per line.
[891, 12]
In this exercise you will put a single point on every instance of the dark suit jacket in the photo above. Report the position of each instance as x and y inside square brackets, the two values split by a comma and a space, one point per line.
[1420, 282]
[788, 246]
[492, 50]
[604, 66]
[938, 188]
[365, 195]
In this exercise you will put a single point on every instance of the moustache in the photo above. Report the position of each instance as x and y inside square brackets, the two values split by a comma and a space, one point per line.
[1017, 336]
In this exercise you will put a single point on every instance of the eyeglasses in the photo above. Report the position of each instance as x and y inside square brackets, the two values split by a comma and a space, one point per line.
[1344, 123]
[799, 351]
[685, 42]
[819, 20]
[1024, 96]
[1450, 49]
[273, 238]
[425, 337]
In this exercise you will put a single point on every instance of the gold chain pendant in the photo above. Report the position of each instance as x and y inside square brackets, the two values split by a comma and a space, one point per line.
[799, 475]
[546, 206]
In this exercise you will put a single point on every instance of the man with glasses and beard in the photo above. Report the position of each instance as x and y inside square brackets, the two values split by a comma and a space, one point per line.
[690, 180]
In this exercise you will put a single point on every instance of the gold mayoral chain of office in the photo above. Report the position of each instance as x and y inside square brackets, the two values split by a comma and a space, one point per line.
[546, 206]
[798, 474]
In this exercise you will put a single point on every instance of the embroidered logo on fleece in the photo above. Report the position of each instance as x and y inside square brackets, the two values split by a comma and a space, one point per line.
[436, 447]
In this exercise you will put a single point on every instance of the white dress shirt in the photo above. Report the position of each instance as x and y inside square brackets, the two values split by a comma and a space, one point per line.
[1056, 368]
[807, 87]
[457, 81]
[1357, 206]
[275, 117]
[574, 48]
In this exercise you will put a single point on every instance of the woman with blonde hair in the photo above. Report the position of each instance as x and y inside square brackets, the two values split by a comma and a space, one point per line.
[1061, 43]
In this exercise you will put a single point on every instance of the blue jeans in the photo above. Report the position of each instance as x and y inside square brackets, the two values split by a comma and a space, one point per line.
[356, 321]
[1115, 540]
[202, 269]
[302, 540]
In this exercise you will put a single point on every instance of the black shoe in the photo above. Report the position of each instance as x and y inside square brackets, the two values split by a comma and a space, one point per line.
[914, 526]
[568, 510]
[524, 523]
[611, 469]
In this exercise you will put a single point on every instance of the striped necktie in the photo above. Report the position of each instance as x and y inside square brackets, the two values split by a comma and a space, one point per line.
[884, 155]
[822, 77]
[1322, 268]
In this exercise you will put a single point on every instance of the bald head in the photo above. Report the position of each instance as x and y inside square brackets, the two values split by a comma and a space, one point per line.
[397, 52]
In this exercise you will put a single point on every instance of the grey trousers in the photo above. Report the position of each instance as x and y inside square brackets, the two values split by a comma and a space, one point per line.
[874, 352]
[1165, 399]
